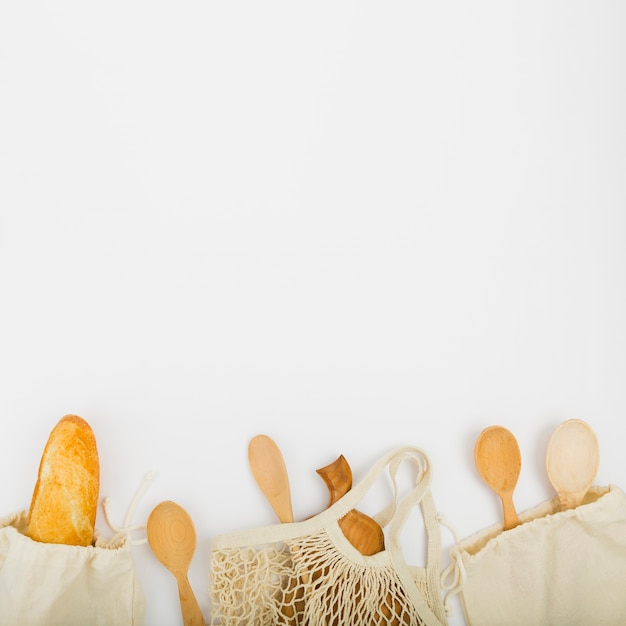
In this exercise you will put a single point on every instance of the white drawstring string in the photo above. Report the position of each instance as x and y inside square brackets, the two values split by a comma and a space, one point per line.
[456, 568]
[128, 527]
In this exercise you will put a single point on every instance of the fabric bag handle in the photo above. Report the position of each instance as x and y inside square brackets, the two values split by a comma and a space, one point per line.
[393, 459]
[349, 501]
[393, 516]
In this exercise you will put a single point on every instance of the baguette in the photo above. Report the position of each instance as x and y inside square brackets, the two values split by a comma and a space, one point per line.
[65, 500]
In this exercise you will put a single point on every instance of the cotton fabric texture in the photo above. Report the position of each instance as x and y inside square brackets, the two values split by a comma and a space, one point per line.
[43, 584]
[561, 568]
[308, 574]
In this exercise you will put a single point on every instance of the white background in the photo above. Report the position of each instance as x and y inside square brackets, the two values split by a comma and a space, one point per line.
[348, 225]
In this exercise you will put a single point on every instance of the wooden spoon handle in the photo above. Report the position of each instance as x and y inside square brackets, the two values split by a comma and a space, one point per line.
[570, 500]
[338, 478]
[362, 531]
[511, 520]
[192, 615]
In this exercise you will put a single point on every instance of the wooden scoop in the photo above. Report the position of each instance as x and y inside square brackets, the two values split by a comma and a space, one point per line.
[572, 461]
[498, 460]
[269, 471]
[172, 537]
[363, 532]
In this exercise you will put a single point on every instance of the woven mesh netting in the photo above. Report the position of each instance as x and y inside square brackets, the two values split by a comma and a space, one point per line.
[307, 582]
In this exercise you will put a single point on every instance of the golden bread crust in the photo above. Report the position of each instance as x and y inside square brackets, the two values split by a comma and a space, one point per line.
[65, 500]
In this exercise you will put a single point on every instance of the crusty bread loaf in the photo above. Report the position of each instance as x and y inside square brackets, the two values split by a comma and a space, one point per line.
[65, 501]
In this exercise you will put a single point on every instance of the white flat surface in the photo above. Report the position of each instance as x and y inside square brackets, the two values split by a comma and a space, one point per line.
[351, 226]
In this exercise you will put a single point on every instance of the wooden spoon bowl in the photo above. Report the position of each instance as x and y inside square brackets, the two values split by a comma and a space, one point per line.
[499, 462]
[270, 473]
[572, 461]
[362, 531]
[172, 537]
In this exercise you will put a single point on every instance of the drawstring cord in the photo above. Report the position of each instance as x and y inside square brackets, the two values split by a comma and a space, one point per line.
[456, 569]
[127, 526]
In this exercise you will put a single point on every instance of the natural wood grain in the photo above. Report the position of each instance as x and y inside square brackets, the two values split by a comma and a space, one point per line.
[338, 478]
[498, 460]
[362, 531]
[270, 473]
[172, 537]
[572, 461]
[269, 470]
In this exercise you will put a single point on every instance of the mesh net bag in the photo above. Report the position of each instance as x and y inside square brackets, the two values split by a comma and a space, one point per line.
[308, 573]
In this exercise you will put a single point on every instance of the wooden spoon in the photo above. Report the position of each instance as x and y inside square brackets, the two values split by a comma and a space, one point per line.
[362, 531]
[172, 537]
[498, 460]
[268, 468]
[269, 471]
[572, 461]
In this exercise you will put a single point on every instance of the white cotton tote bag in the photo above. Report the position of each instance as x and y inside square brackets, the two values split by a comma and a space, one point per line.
[560, 568]
[45, 584]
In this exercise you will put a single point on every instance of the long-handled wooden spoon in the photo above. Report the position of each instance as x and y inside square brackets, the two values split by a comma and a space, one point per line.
[572, 461]
[172, 537]
[498, 460]
[362, 531]
[268, 468]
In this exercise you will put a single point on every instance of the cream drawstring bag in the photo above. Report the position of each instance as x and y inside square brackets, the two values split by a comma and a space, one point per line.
[46, 584]
[308, 573]
[561, 568]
